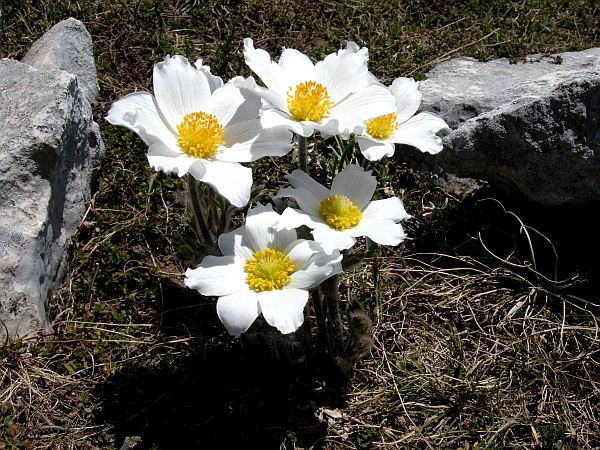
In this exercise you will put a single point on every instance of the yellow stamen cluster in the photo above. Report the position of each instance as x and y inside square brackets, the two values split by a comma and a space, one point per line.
[339, 212]
[382, 126]
[309, 101]
[268, 269]
[200, 134]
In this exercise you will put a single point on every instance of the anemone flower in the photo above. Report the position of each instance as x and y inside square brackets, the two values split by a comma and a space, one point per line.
[196, 124]
[402, 126]
[341, 214]
[262, 271]
[328, 96]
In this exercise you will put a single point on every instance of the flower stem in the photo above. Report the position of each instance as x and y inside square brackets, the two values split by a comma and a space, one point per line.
[303, 153]
[331, 295]
[194, 197]
[347, 152]
[323, 345]
[365, 163]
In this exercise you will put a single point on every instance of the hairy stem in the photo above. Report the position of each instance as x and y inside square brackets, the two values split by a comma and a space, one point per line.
[346, 153]
[331, 296]
[303, 153]
[324, 344]
[365, 163]
[201, 227]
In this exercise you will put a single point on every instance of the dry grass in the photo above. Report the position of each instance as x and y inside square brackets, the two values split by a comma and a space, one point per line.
[470, 350]
[465, 356]
[460, 359]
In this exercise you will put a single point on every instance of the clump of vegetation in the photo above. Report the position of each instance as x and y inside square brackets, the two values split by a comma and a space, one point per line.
[480, 337]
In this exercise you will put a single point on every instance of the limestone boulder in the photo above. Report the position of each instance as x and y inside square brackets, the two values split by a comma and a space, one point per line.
[532, 129]
[50, 152]
[462, 88]
[67, 46]
[545, 149]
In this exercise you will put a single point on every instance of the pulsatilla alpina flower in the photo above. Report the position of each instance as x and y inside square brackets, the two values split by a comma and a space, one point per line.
[194, 123]
[328, 96]
[402, 126]
[262, 271]
[341, 214]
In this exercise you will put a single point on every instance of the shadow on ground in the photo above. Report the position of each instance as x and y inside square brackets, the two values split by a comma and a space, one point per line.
[554, 247]
[205, 391]
[200, 389]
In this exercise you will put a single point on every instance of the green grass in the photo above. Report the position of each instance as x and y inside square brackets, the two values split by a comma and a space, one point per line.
[468, 350]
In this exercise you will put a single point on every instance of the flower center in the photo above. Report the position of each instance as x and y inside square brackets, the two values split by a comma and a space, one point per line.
[382, 126]
[339, 212]
[200, 134]
[268, 269]
[310, 101]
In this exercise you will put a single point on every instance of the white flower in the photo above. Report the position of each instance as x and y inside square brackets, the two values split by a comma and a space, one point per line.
[195, 124]
[340, 215]
[328, 96]
[262, 271]
[402, 127]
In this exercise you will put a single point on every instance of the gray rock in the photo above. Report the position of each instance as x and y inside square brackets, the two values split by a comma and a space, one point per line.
[532, 129]
[545, 148]
[463, 88]
[50, 152]
[67, 46]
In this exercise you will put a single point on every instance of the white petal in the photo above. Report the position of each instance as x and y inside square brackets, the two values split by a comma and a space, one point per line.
[246, 83]
[373, 101]
[231, 104]
[301, 253]
[374, 150]
[260, 209]
[122, 112]
[420, 132]
[342, 126]
[126, 112]
[300, 179]
[293, 218]
[232, 180]
[153, 129]
[271, 73]
[408, 97]
[236, 243]
[271, 142]
[307, 200]
[356, 184]
[332, 240]
[180, 89]
[385, 232]
[283, 308]
[389, 208]
[320, 267]
[217, 275]
[248, 141]
[351, 47]
[369, 80]
[260, 225]
[283, 238]
[161, 157]
[275, 99]
[297, 66]
[241, 132]
[160, 149]
[343, 72]
[213, 81]
[238, 311]
[379, 222]
[273, 118]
